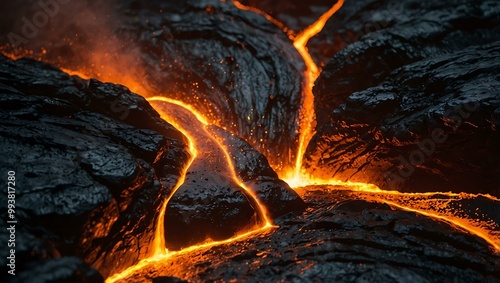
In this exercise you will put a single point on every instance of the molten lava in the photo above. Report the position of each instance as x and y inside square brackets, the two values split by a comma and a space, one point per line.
[307, 114]
[159, 252]
[200, 137]
[436, 205]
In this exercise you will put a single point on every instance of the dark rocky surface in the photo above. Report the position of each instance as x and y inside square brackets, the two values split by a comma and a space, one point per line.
[368, 40]
[254, 171]
[65, 269]
[295, 16]
[342, 237]
[211, 203]
[410, 105]
[234, 65]
[93, 162]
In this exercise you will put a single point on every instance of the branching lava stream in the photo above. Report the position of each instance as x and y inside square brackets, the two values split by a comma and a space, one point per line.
[441, 206]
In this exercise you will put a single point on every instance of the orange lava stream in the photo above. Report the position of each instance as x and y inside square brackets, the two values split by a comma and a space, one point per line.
[307, 114]
[467, 224]
[294, 176]
[151, 260]
[158, 245]
[429, 204]
[267, 16]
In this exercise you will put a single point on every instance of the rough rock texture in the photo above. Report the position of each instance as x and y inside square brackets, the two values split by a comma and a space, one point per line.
[370, 39]
[295, 15]
[253, 169]
[342, 237]
[93, 162]
[234, 65]
[210, 203]
[413, 105]
[64, 269]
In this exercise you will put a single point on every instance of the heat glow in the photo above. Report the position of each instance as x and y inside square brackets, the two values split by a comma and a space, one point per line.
[427, 204]
[436, 205]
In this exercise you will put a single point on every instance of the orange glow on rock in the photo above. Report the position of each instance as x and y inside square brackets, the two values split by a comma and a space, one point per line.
[307, 114]
[434, 205]
[170, 117]
[159, 253]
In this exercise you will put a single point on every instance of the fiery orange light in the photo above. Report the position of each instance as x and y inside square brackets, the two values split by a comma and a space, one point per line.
[464, 223]
[261, 209]
[307, 114]
[294, 176]
[267, 16]
[159, 253]
[426, 204]
[158, 246]
[151, 260]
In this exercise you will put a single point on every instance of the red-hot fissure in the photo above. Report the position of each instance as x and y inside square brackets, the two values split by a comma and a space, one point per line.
[424, 203]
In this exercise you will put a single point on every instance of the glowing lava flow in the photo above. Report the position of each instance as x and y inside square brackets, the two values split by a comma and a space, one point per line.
[159, 253]
[436, 205]
[296, 178]
[261, 209]
[158, 249]
[307, 114]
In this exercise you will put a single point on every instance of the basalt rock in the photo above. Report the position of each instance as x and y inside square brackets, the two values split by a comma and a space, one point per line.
[207, 206]
[295, 15]
[92, 163]
[254, 171]
[366, 41]
[235, 66]
[342, 237]
[412, 104]
[64, 269]
[431, 127]
[210, 204]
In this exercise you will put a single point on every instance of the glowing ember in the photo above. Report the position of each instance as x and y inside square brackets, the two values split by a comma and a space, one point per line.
[307, 115]
[178, 123]
[435, 205]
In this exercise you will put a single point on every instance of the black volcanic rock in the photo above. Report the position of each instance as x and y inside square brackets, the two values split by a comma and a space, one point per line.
[342, 237]
[411, 105]
[254, 171]
[430, 127]
[206, 206]
[93, 163]
[295, 15]
[64, 269]
[209, 204]
[235, 66]
[366, 41]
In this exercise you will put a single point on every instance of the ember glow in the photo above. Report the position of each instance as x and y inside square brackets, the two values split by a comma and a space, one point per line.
[189, 130]
[307, 114]
[159, 253]
[440, 206]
